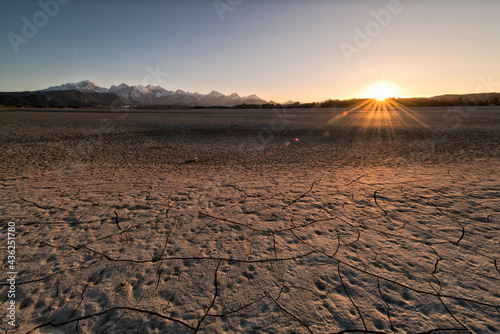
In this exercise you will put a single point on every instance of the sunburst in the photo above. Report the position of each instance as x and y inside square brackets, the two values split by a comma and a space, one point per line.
[382, 90]
[381, 115]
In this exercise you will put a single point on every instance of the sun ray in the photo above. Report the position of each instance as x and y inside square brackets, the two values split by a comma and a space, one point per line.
[380, 115]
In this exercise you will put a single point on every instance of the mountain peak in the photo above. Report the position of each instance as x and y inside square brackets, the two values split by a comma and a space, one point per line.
[157, 95]
[215, 93]
[86, 82]
[253, 96]
[82, 86]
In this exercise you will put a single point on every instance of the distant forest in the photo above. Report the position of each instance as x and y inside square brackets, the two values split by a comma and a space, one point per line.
[484, 99]
[76, 99]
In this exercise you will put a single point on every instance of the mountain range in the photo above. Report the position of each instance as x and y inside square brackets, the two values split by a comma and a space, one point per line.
[156, 95]
[87, 94]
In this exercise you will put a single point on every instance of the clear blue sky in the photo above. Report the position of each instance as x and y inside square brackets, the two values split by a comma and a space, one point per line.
[277, 49]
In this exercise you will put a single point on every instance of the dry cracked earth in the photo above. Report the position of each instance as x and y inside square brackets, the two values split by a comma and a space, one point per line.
[252, 222]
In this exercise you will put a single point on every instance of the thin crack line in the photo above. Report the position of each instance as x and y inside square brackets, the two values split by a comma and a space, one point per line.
[375, 198]
[348, 295]
[386, 304]
[213, 299]
[53, 324]
[303, 195]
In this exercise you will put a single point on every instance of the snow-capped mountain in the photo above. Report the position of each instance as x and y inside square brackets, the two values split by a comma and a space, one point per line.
[82, 86]
[156, 95]
[141, 94]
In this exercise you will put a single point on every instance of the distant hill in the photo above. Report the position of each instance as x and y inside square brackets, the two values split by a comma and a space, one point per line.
[480, 99]
[476, 96]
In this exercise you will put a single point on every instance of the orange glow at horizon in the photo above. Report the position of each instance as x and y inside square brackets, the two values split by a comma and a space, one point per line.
[381, 114]
[382, 90]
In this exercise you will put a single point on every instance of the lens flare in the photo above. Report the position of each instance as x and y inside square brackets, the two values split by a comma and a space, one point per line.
[382, 91]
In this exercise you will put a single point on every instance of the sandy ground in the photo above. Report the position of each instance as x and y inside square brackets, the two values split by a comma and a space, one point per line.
[252, 221]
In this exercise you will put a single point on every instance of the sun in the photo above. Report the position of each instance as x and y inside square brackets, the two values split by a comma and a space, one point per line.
[382, 91]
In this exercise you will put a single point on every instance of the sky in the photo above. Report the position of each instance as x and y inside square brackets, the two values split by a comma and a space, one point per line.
[280, 50]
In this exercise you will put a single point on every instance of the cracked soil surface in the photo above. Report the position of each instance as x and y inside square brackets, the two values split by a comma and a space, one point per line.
[252, 221]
